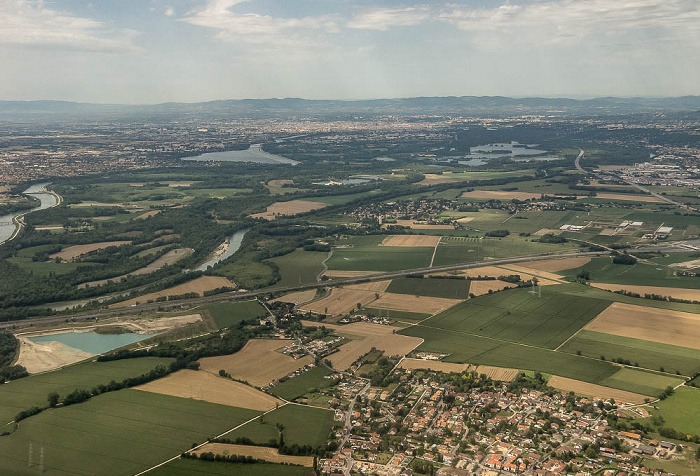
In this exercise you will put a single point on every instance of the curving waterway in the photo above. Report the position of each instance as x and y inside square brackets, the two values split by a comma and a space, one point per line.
[8, 223]
[234, 242]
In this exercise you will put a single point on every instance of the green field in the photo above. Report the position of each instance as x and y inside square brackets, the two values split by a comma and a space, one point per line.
[444, 288]
[647, 354]
[22, 394]
[297, 386]
[365, 254]
[639, 381]
[518, 316]
[117, 433]
[189, 467]
[681, 411]
[227, 314]
[303, 425]
[299, 267]
[605, 271]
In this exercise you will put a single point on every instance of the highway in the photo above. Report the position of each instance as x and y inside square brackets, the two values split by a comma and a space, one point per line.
[186, 303]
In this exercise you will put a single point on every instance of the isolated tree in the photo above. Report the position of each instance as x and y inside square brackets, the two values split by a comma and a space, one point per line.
[53, 399]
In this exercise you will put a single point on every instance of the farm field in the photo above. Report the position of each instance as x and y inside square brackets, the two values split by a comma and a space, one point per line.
[681, 411]
[303, 425]
[411, 241]
[257, 363]
[397, 315]
[518, 316]
[291, 207]
[298, 386]
[341, 300]
[554, 265]
[207, 387]
[639, 381]
[188, 467]
[413, 303]
[602, 270]
[258, 452]
[647, 354]
[417, 225]
[19, 395]
[70, 253]
[297, 297]
[436, 365]
[627, 197]
[443, 288]
[595, 391]
[480, 287]
[676, 293]
[364, 254]
[117, 433]
[500, 195]
[227, 314]
[299, 267]
[198, 285]
[656, 325]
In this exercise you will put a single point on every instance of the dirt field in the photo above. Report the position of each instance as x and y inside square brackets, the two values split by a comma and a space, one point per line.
[258, 452]
[479, 288]
[298, 297]
[628, 197]
[593, 390]
[334, 273]
[686, 264]
[280, 182]
[160, 324]
[47, 356]
[411, 303]
[199, 285]
[374, 286]
[544, 277]
[678, 293]
[341, 300]
[152, 213]
[647, 323]
[546, 231]
[411, 240]
[497, 373]
[418, 226]
[167, 259]
[258, 362]
[72, 252]
[432, 179]
[433, 365]
[365, 336]
[500, 195]
[201, 385]
[291, 207]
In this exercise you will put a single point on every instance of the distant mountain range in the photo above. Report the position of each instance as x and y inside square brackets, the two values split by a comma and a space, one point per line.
[258, 108]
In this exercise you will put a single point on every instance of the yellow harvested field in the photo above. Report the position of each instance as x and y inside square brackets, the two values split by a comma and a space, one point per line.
[258, 452]
[432, 179]
[410, 240]
[465, 219]
[72, 252]
[205, 386]
[438, 366]
[199, 285]
[678, 293]
[258, 363]
[546, 231]
[364, 336]
[280, 183]
[648, 323]
[298, 297]
[594, 391]
[411, 303]
[418, 226]
[500, 195]
[167, 259]
[497, 373]
[685, 264]
[479, 288]
[374, 286]
[340, 301]
[544, 277]
[628, 197]
[151, 213]
[291, 207]
[335, 273]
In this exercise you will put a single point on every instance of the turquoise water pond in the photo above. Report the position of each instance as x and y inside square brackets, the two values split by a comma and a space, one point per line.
[92, 342]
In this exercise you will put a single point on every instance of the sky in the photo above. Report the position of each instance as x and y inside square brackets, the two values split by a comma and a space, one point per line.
[152, 51]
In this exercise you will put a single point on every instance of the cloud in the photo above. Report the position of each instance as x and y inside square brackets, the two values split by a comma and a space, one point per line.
[385, 18]
[169, 12]
[32, 24]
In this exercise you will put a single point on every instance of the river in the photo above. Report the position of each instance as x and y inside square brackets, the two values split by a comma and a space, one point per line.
[234, 243]
[48, 200]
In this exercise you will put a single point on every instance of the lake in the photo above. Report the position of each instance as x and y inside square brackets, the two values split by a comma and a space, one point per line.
[92, 342]
[253, 154]
[8, 227]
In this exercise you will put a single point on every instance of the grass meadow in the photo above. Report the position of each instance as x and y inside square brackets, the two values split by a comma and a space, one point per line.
[299, 267]
[303, 384]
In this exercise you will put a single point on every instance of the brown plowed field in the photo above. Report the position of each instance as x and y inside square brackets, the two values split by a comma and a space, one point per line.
[497, 373]
[648, 323]
[298, 297]
[479, 288]
[291, 207]
[374, 286]
[593, 390]
[341, 301]
[72, 252]
[411, 303]
[257, 452]
[436, 365]
[411, 241]
[500, 195]
[554, 265]
[199, 285]
[258, 363]
[678, 293]
[201, 385]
